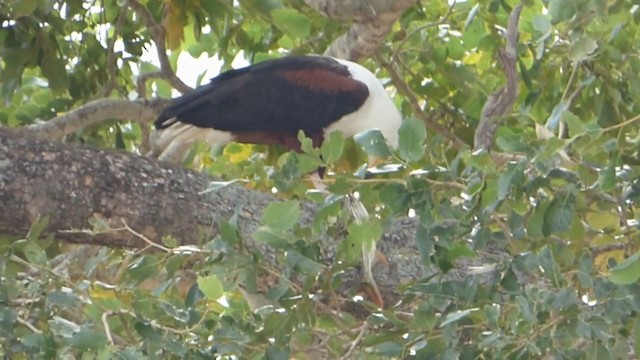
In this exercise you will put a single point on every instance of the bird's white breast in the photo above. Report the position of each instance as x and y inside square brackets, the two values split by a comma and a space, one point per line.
[377, 112]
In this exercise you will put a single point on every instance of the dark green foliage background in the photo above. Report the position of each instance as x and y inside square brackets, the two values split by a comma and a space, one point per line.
[553, 230]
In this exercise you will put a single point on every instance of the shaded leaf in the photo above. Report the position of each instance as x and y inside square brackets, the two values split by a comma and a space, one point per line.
[281, 215]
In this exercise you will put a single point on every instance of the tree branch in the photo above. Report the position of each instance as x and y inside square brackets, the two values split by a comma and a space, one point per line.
[501, 101]
[74, 185]
[93, 113]
[372, 22]
[157, 33]
[404, 89]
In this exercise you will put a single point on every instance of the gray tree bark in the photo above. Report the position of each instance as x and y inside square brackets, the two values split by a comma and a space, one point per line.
[72, 184]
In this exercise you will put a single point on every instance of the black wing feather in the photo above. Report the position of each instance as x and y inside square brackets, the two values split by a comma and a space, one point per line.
[260, 99]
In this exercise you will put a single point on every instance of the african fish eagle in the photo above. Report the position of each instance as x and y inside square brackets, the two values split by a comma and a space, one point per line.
[271, 101]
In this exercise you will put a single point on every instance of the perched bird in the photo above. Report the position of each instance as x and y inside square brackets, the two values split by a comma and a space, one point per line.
[270, 102]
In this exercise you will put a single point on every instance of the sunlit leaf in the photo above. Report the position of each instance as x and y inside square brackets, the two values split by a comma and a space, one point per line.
[211, 286]
[412, 134]
[627, 272]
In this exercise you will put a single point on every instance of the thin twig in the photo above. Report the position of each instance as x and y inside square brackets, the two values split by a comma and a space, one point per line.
[404, 89]
[622, 124]
[354, 344]
[157, 33]
[144, 238]
[441, 21]
[28, 325]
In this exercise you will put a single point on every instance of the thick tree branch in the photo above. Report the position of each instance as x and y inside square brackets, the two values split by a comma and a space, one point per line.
[93, 113]
[118, 192]
[372, 22]
[500, 102]
[359, 10]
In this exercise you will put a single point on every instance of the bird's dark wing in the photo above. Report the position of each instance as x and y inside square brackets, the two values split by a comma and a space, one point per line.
[282, 95]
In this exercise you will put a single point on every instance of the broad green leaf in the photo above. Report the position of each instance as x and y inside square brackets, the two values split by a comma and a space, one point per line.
[23, 7]
[412, 134]
[63, 299]
[54, 70]
[550, 267]
[627, 272]
[607, 177]
[332, 147]
[561, 10]
[275, 353]
[559, 214]
[583, 49]
[291, 22]
[143, 268]
[281, 215]
[535, 223]
[88, 339]
[210, 286]
[302, 263]
[34, 253]
[359, 235]
[373, 143]
[542, 24]
[273, 237]
[573, 122]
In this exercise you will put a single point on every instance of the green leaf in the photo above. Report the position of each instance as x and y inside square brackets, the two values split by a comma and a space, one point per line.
[412, 135]
[373, 143]
[627, 272]
[143, 268]
[210, 286]
[358, 235]
[561, 10]
[275, 353]
[23, 7]
[291, 22]
[332, 147]
[542, 24]
[302, 263]
[535, 223]
[273, 237]
[607, 177]
[573, 122]
[34, 253]
[62, 298]
[559, 214]
[37, 228]
[281, 215]
[88, 339]
[53, 69]
[456, 315]
[550, 267]
[583, 49]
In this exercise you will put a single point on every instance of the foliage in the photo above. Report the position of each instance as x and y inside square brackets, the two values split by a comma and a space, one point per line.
[545, 226]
